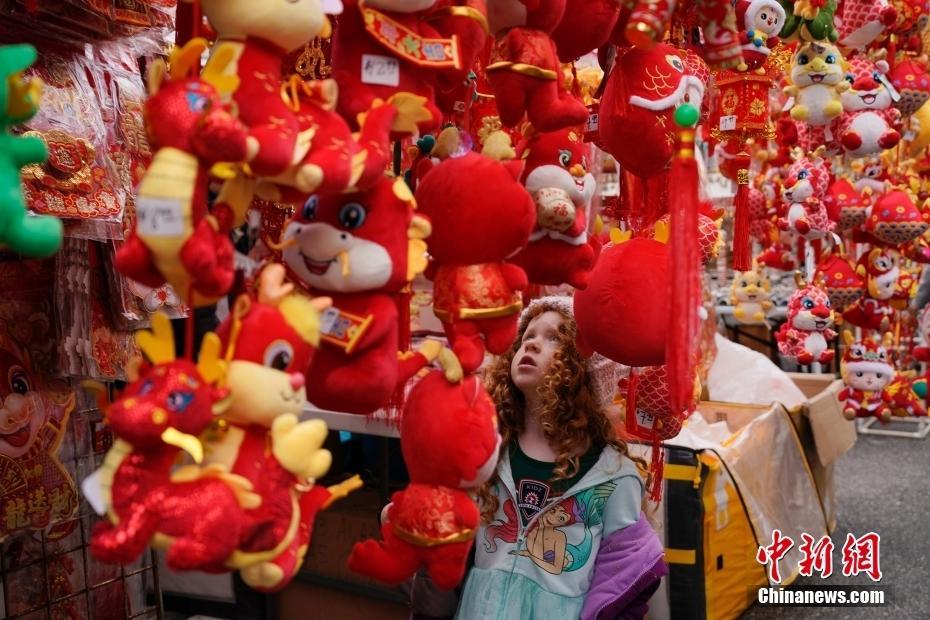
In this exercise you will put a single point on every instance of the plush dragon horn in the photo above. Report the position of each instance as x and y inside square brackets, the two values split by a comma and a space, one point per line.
[157, 344]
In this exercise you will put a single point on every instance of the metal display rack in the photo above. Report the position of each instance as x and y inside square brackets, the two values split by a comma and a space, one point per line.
[868, 427]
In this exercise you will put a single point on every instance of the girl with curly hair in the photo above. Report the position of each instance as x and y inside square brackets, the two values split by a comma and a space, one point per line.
[563, 533]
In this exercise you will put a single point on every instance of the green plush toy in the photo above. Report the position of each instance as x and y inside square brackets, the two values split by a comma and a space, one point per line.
[29, 235]
[808, 21]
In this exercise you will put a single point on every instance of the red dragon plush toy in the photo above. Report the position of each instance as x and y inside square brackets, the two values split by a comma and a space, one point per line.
[879, 268]
[805, 336]
[176, 239]
[262, 34]
[524, 70]
[450, 444]
[481, 215]
[556, 176]
[198, 514]
[803, 193]
[869, 123]
[867, 372]
[360, 248]
[383, 47]
[270, 339]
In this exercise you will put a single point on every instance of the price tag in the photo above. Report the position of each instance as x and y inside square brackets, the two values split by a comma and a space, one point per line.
[383, 70]
[159, 217]
[909, 135]
[342, 328]
[593, 123]
[645, 419]
[93, 492]
[727, 123]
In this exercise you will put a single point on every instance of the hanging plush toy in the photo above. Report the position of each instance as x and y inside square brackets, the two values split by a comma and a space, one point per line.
[862, 21]
[760, 22]
[803, 193]
[895, 219]
[816, 83]
[361, 249]
[879, 268]
[779, 256]
[840, 279]
[261, 36]
[750, 296]
[628, 287]
[805, 335]
[643, 90]
[653, 419]
[809, 20]
[176, 240]
[845, 205]
[450, 444]
[560, 249]
[481, 215]
[197, 514]
[524, 70]
[909, 77]
[19, 101]
[383, 47]
[869, 123]
[586, 25]
[866, 371]
[270, 340]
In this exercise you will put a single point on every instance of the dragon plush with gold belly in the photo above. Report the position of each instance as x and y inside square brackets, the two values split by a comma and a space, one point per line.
[176, 239]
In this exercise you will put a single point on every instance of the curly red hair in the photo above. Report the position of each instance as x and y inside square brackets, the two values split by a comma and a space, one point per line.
[572, 418]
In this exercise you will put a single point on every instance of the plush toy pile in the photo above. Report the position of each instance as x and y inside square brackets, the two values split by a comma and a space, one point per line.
[487, 151]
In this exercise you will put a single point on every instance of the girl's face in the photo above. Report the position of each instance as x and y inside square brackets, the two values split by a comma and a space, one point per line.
[539, 344]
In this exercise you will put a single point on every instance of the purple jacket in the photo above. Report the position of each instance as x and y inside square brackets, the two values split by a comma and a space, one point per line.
[629, 566]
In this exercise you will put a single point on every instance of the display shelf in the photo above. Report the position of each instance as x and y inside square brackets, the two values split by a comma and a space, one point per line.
[867, 427]
[352, 422]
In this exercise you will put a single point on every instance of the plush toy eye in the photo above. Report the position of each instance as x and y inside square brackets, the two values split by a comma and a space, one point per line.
[858, 373]
[310, 207]
[882, 263]
[826, 302]
[807, 303]
[802, 174]
[850, 78]
[19, 380]
[675, 62]
[146, 387]
[179, 401]
[565, 158]
[878, 375]
[763, 16]
[831, 59]
[876, 76]
[279, 355]
[352, 215]
[743, 283]
[803, 59]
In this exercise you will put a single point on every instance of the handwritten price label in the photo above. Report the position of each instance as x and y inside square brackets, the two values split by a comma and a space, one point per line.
[383, 70]
[159, 217]
[727, 123]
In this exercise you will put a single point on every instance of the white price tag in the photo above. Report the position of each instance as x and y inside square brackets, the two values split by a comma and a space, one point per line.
[159, 217]
[727, 123]
[93, 493]
[909, 135]
[383, 70]
[328, 320]
[644, 419]
[594, 122]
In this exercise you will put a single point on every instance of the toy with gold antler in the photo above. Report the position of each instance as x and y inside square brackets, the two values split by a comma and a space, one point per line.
[198, 514]
[806, 334]
[270, 338]
[750, 295]
[873, 310]
[803, 193]
[176, 239]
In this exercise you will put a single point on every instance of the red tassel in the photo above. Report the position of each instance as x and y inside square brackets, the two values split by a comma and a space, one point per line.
[684, 276]
[658, 469]
[396, 405]
[742, 254]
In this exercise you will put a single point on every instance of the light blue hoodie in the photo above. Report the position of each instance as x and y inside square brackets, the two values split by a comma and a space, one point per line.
[544, 569]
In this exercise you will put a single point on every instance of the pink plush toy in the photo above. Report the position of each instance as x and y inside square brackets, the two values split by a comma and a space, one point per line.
[869, 123]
